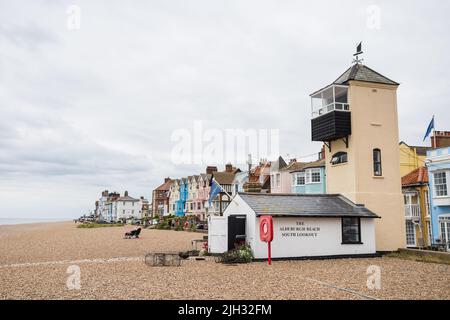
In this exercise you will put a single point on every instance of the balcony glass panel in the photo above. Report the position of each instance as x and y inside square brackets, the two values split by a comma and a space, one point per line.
[334, 97]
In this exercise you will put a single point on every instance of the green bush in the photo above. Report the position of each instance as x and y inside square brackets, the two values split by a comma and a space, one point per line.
[242, 254]
[164, 225]
[90, 225]
[179, 227]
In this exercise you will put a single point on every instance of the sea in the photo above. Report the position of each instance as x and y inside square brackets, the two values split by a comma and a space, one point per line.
[4, 221]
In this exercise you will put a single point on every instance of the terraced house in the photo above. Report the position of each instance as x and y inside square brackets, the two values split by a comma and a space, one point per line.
[160, 198]
[174, 196]
[201, 201]
[417, 209]
[192, 188]
[438, 164]
[309, 178]
[180, 204]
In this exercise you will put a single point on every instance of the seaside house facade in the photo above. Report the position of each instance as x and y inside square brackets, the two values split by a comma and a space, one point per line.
[411, 157]
[417, 209]
[180, 204]
[438, 164]
[309, 178]
[201, 209]
[192, 195]
[277, 183]
[127, 208]
[174, 196]
[105, 206]
[160, 198]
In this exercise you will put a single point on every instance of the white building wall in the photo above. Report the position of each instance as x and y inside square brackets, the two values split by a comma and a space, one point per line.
[128, 209]
[290, 241]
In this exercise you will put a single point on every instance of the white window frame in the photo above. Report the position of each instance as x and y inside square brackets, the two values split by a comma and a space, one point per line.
[427, 203]
[309, 175]
[408, 233]
[444, 229]
[278, 179]
[446, 184]
[298, 175]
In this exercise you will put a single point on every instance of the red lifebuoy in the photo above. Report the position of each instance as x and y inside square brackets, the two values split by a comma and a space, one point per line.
[266, 228]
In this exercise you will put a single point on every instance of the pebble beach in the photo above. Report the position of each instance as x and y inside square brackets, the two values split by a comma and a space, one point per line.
[34, 262]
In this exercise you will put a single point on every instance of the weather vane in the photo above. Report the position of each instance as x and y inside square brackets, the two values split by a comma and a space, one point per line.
[358, 52]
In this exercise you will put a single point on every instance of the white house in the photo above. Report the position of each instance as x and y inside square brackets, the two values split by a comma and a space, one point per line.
[127, 207]
[315, 225]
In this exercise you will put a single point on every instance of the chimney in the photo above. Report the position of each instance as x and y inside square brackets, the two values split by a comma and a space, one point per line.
[228, 167]
[253, 187]
[125, 194]
[291, 161]
[440, 139]
[211, 169]
[166, 180]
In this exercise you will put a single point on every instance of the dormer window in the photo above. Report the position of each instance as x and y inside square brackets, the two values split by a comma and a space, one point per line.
[339, 157]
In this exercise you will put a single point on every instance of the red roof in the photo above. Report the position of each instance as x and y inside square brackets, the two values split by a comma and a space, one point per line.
[165, 186]
[418, 176]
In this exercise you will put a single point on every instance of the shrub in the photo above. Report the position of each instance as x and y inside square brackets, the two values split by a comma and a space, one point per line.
[163, 225]
[242, 254]
[179, 227]
[90, 225]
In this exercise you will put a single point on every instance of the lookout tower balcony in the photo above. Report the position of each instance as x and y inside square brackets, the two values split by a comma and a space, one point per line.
[330, 112]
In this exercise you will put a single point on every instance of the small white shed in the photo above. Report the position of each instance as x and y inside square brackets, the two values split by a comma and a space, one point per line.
[304, 225]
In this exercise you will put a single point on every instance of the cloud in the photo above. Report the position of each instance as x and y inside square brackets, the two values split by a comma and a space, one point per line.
[82, 110]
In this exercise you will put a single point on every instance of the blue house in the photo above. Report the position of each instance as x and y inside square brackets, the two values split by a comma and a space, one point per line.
[438, 164]
[309, 178]
[180, 205]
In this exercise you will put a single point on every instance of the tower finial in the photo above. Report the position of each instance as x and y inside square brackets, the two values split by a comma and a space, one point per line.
[358, 52]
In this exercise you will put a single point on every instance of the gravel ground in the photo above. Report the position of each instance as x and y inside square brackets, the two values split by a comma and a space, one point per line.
[24, 249]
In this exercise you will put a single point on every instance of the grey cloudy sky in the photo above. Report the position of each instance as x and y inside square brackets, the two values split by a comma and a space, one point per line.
[94, 108]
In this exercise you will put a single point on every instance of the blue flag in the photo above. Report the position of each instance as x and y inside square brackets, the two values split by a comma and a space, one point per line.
[215, 190]
[429, 129]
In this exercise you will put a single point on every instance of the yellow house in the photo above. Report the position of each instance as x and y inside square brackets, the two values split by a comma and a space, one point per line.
[417, 209]
[411, 157]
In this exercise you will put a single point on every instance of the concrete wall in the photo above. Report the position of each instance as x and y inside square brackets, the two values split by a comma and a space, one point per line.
[374, 125]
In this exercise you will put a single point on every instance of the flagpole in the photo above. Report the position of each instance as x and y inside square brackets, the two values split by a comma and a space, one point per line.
[434, 132]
